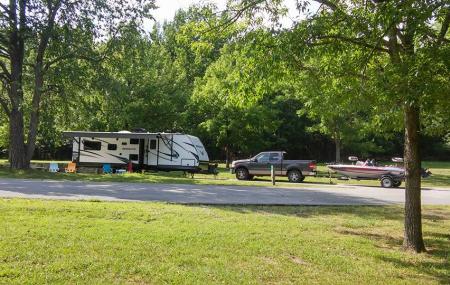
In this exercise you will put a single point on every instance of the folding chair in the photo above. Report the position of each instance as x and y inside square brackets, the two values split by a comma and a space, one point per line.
[53, 167]
[107, 169]
[71, 167]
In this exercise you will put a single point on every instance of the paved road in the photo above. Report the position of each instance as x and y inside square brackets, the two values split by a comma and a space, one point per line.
[311, 194]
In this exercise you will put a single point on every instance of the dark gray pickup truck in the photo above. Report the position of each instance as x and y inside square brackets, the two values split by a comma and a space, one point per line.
[260, 165]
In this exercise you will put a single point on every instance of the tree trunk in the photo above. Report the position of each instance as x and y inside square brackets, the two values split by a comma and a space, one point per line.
[227, 157]
[17, 150]
[413, 216]
[337, 142]
[34, 116]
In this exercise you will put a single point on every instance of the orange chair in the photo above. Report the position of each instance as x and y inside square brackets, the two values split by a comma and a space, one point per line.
[71, 167]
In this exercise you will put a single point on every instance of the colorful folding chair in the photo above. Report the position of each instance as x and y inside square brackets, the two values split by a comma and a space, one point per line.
[53, 167]
[107, 169]
[71, 167]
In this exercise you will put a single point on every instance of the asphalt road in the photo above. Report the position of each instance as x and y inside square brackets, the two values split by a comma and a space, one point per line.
[310, 194]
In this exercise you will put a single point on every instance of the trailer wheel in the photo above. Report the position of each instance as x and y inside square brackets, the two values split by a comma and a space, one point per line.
[242, 174]
[295, 176]
[397, 183]
[387, 182]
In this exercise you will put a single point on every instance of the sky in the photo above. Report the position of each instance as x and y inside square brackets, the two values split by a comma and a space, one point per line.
[167, 8]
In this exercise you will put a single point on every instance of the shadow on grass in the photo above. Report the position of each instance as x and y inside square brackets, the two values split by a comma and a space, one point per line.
[437, 243]
[394, 213]
[439, 267]
[438, 180]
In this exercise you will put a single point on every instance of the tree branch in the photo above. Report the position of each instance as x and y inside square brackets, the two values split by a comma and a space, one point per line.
[5, 70]
[4, 8]
[4, 104]
[355, 41]
[238, 14]
[444, 28]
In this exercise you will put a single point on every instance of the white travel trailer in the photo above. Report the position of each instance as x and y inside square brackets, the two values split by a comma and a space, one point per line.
[157, 151]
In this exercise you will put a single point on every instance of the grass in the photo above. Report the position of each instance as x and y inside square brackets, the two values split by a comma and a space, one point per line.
[92, 242]
[440, 177]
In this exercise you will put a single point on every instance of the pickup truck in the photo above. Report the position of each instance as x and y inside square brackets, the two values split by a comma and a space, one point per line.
[260, 165]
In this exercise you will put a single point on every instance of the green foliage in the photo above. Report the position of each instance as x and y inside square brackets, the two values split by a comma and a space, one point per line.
[241, 86]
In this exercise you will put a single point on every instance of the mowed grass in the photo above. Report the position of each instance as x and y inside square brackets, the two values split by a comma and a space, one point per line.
[88, 242]
[439, 178]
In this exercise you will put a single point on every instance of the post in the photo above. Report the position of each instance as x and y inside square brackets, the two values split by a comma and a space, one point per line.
[272, 174]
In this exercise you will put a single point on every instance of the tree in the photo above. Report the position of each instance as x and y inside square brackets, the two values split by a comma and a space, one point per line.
[405, 48]
[228, 103]
[28, 30]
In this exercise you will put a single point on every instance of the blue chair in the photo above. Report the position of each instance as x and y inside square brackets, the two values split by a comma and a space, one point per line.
[107, 169]
[53, 167]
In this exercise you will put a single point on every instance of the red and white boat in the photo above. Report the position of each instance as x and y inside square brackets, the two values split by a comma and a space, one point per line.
[390, 175]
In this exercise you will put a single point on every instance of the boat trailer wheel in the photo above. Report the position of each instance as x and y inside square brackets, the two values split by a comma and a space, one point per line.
[387, 182]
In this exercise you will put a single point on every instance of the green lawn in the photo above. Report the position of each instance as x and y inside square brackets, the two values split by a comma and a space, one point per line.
[440, 177]
[152, 243]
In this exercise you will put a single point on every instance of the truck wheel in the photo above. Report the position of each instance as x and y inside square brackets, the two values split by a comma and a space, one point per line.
[242, 174]
[295, 176]
[397, 183]
[387, 182]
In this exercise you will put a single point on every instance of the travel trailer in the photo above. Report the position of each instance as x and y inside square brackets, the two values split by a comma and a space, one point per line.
[153, 151]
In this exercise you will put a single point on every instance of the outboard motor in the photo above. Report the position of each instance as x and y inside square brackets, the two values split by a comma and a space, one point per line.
[425, 173]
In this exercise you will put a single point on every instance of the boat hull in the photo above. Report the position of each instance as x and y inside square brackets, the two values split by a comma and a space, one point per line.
[367, 172]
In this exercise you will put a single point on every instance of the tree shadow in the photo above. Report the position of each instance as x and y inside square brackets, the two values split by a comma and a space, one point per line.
[437, 243]
[306, 211]
[439, 268]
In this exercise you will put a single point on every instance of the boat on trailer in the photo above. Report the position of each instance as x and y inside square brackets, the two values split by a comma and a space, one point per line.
[389, 175]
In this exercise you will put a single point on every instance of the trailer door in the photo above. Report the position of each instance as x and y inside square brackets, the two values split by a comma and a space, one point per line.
[153, 149]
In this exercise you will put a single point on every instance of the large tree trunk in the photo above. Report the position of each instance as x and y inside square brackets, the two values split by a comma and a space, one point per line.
[227, 157]
[17, 150]
[337, 143]
[413, 216]
[34, 116]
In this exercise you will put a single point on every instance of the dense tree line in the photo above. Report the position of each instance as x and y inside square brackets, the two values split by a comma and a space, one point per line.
[241, 90]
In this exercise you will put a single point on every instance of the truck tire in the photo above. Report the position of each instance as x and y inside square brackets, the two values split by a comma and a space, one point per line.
[295, 176]
[242, 174]
[397, 183]
[387, 182]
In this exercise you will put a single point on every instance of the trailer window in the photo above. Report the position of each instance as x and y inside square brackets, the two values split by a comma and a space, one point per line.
[112, 146]
[152, 144]
[134, 157]
[134, 141]
[91, 145]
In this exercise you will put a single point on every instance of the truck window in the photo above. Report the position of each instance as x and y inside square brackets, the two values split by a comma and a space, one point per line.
[274, 156]
[264, 157]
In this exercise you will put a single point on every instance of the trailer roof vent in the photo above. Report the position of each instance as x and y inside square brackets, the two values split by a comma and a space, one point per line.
[139, 130]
